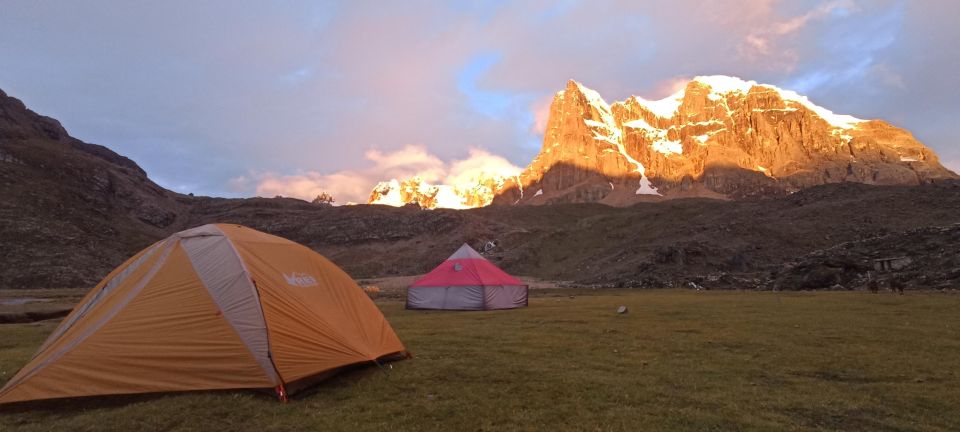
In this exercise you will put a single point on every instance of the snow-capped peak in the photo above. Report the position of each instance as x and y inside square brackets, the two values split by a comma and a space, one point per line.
[842, 121]
[721, 85]
[665, 107]
[465, 191]
[596, 101]
[592, 96]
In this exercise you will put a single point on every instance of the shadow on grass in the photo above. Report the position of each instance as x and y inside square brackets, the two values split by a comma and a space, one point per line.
[850, 377]
[345, 377]
[68, 406]
[841, 419]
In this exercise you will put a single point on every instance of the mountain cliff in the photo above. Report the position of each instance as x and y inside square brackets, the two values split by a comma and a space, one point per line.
[719, 137]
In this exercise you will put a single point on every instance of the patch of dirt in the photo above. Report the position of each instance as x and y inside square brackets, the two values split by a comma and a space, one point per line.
[29, 317]
[25, 306]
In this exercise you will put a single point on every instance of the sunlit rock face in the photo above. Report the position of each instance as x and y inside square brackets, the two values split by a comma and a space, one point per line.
[719, 137]
[476, 192]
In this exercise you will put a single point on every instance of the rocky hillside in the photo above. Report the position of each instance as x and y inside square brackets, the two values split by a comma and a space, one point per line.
[750, 244]
[926, 258]
[70, 212]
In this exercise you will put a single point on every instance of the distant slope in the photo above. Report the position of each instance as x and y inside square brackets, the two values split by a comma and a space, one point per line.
[713, 243]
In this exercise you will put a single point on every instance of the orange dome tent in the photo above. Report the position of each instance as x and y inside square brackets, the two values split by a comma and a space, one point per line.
[214, 307]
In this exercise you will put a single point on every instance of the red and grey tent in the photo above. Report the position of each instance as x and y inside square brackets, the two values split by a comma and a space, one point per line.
[467, 281]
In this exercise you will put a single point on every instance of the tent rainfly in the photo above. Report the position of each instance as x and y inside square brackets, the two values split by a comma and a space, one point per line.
[467, 281]
[214, 307]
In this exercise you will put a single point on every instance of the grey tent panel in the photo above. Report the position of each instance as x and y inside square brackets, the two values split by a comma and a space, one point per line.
[467, 297]
[226, 278]
[453, 297]
[505, 297]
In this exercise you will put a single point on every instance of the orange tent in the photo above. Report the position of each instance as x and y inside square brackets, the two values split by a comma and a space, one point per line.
[214, 307]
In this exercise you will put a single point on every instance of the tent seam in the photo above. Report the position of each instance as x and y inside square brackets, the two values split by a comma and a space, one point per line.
[256, 293]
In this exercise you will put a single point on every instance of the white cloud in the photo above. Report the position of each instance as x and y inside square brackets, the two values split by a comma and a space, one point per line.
[541, 114]
[356, 185]
[764, 43]
[477, 165]
[671, 86]
[308, 90]
[886, 75]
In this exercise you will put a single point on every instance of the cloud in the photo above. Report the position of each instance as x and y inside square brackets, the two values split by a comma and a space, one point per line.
[305, 89]
[887, 76]
[670, 86]
[764, 44]
[355, 185]
[541, 114]
[479, 164]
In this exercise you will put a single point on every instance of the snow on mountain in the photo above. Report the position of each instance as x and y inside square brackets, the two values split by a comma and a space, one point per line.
[720, 137]
[459, 184]
[665, 107]
[721, 85]
[470, 193]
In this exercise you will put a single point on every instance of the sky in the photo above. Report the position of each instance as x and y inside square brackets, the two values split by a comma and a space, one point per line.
[245, 98]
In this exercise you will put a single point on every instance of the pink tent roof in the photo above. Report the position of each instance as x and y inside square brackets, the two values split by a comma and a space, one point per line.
[466, 267]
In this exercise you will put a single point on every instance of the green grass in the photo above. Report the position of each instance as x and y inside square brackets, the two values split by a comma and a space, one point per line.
[679, 360]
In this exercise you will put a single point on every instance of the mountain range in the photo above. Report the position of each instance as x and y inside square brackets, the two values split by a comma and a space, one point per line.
[71, 211]
[719, 137]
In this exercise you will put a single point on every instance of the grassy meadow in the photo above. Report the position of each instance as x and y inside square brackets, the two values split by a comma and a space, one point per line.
[678, 360]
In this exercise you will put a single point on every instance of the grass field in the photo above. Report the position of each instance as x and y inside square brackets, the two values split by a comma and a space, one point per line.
[679, 360]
